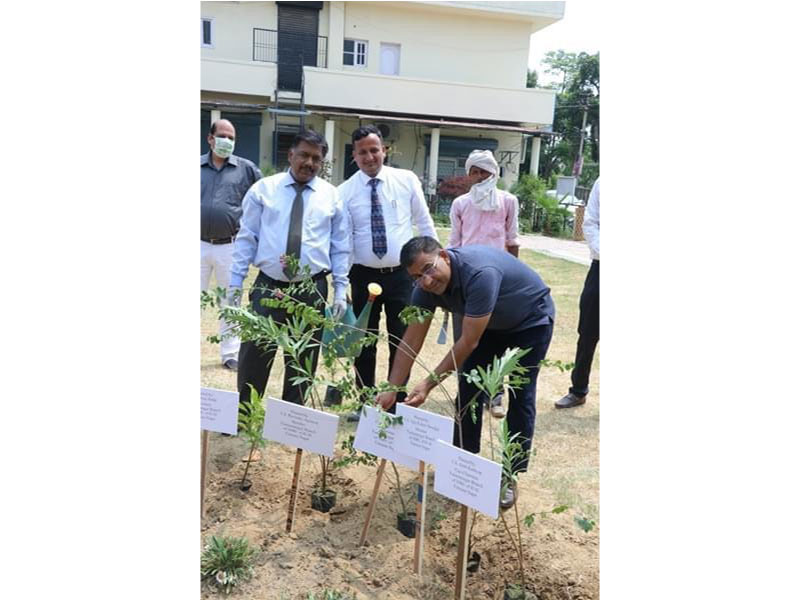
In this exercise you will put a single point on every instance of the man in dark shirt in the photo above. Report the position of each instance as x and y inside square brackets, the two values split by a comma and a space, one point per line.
[505, 305]
[224, 180]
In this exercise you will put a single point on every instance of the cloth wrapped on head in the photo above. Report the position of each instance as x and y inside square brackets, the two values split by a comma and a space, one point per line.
[484, 194]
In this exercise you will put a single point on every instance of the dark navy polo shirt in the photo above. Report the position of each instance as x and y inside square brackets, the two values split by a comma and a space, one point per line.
[487, 280]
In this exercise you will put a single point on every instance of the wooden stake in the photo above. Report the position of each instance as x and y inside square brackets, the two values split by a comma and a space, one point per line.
[419, 542]
[293, 495]
[203, 464]
[461, 561]
[371, 507]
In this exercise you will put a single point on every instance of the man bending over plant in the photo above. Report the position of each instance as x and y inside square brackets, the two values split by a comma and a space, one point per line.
[505, 305]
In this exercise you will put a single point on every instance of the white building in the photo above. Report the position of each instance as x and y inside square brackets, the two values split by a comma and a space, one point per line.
[439, 78]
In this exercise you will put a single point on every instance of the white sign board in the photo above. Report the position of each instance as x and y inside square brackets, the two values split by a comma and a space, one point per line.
[369, 440]
[565, 185]
[421, 428]
[219, 410]
[468, 478]
[295, 425]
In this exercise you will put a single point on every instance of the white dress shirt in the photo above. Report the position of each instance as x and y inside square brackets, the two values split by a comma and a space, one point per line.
[403, 204]
[591, 222]
[264, 227]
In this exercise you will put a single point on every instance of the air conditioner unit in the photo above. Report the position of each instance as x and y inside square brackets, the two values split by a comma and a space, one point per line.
[385, 129]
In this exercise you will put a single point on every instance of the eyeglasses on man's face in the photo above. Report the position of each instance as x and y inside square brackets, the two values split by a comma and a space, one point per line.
[426, 270]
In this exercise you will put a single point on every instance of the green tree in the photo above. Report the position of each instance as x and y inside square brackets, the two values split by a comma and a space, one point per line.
[561, 63]
[533, 79]
[580, 89]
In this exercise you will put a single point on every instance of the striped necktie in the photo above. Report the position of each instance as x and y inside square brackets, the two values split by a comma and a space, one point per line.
[378, 224]
[295, 236]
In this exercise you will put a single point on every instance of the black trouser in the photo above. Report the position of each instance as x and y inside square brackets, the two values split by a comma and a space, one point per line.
[588, 331]
[255, 362]
[396, 296]
[458, 324]
[521, 414]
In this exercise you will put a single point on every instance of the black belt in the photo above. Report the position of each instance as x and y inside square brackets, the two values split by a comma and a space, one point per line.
[217, 241]
[277, 283]
[380, 269]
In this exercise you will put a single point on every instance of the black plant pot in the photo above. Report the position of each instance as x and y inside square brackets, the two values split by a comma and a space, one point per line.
[333, 397]
[474, 562]
[407, 524]
[245, 485]
[323, 501]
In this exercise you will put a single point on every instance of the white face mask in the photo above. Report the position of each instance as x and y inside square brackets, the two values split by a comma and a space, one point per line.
[223, 147]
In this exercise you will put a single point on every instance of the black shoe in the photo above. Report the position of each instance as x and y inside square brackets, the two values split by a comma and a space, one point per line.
[570, 400]
[354, 417]
[231, 364]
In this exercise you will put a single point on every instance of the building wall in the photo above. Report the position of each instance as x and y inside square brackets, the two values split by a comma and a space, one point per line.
[467, 48]
[447, 46]
[233, 27]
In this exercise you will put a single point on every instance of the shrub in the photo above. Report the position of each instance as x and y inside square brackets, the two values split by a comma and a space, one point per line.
[226, 561]
[441, 219]
[537, 210]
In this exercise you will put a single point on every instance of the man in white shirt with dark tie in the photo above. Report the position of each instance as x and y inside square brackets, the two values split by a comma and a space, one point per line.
[383, 204]
[291, 213]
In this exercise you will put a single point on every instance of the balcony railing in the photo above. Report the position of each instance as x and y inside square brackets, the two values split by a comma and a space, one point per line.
[270, 45]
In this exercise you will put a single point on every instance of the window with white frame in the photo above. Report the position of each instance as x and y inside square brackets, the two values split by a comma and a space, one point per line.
[206, 33]
[355, 53]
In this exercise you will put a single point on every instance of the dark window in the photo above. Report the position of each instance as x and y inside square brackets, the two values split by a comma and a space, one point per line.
[206, 32]
[354, 53]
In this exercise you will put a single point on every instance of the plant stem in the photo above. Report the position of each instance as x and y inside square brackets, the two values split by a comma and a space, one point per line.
[521, 557]
[469, 537]
[399, 491]
[247, 467]
[511, 539]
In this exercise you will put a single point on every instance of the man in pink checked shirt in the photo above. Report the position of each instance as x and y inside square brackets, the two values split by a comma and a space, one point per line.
[488, 216]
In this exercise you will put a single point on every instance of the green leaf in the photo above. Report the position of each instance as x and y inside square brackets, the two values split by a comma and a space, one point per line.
[559, 509]
[586, 524]
[528, 520]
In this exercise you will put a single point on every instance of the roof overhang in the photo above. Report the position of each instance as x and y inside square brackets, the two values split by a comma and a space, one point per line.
[432, 122]
[377, 116]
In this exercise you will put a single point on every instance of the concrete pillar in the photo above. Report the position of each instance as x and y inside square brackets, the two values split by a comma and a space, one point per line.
[536, 147]
[330, 133]
[265, 138]
[335, 35]
[433, 165]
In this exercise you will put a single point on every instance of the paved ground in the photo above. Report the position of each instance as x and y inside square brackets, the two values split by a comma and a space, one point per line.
[567, 249]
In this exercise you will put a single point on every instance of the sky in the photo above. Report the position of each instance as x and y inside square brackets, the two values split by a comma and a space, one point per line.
[578, 31]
